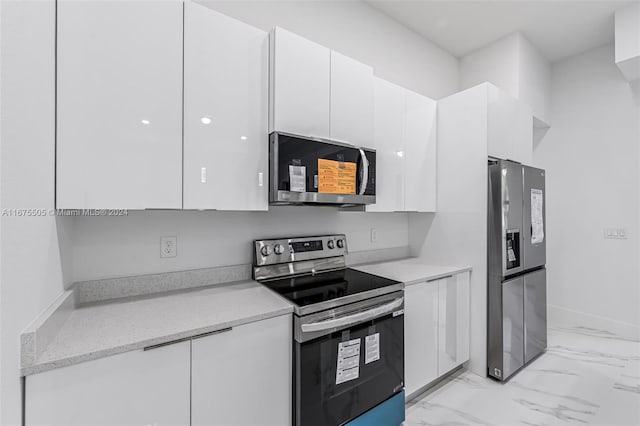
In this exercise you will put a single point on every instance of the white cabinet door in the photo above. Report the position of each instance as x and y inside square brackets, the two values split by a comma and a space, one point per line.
[225, 112]
[509, 127]
[389, 116]
[420, 153]
[299, 85]
[420, 335]
[134, 388]
[119, 104]
[351, 101]
[453, 322]
[243, 376]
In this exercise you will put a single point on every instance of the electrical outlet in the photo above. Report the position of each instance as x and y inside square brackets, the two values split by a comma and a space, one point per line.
[168, 246]
[615, 233]
[374, 235]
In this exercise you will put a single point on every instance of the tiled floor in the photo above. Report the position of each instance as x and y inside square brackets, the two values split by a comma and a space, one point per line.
[585, 377]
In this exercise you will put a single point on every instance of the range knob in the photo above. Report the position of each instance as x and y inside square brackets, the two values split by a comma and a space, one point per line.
[265, 250]
[278, 249]
[331, 244]
[340, 243]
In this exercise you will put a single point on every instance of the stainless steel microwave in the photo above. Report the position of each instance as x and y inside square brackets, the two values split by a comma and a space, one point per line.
[306, 170]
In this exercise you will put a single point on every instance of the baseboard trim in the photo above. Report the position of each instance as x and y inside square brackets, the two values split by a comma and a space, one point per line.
[561, 317]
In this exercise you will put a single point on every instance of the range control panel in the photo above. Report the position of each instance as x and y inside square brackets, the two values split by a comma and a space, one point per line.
[285, 250]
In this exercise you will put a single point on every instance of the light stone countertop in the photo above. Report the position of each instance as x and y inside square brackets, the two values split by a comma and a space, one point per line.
[411, 271]
[101, 329]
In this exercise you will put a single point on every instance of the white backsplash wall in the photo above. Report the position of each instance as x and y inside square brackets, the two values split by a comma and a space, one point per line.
[591, 157]
[105, 247]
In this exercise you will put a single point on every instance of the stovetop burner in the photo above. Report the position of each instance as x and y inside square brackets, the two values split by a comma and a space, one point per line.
[311, 272]
[309, 289]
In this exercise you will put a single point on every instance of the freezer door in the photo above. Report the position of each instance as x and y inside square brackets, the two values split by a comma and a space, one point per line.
[535, 314]
[512, 326]
[511, 211]
[534, 241]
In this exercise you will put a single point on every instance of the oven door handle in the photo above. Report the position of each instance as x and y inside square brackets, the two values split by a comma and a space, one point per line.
[365, 172]
[353, 318]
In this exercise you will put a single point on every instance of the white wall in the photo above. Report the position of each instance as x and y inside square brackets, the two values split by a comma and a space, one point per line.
[30, 271]
[516, 66]
[627, 41]
[591, 157]
[534, 80]
[355, 29]
[497, 63]
[627, 32]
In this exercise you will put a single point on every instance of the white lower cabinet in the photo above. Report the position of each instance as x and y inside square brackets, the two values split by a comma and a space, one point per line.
[436, 329]
[243, 376]
[239, 376]
[420, 335]
[135, 388]
[453, 322]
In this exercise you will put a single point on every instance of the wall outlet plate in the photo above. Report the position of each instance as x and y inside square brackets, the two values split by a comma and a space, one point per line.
[168, 246]
[615, 233]
[374, 235]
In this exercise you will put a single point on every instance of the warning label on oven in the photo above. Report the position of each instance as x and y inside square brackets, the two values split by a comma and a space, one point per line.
[372, 348]
[348, 367]
[336, 177]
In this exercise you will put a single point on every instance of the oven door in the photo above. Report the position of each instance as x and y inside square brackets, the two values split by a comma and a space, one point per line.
[347, 176]
[353, 361]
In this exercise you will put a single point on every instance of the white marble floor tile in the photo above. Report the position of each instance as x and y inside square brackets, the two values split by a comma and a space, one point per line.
[586, 377]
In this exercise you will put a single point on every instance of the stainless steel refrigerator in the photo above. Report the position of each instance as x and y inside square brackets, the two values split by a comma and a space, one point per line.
[517, 284]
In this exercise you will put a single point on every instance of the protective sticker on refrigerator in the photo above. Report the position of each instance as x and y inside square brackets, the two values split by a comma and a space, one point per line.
[348, 361]
[372, 348]
[537, 217]
[297, 178]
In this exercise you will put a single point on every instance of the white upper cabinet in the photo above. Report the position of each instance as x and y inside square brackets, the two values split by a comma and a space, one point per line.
[389, 116]
[242, 377]
[119, 104]
[299, 85]
[420, 153]
[225, 112]
[351, 106]
[135, 388]
[509, 127]
[405, 141]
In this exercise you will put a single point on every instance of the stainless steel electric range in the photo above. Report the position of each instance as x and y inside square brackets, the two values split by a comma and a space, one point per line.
[348, 346]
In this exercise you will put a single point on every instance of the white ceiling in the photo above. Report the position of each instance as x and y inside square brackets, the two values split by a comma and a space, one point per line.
[558, 28]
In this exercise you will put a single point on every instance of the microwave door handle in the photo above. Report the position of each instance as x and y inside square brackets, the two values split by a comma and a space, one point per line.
[353, 318]
[365, 172]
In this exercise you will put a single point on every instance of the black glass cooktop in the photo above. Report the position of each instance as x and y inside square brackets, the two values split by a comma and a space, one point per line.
[310, 289]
